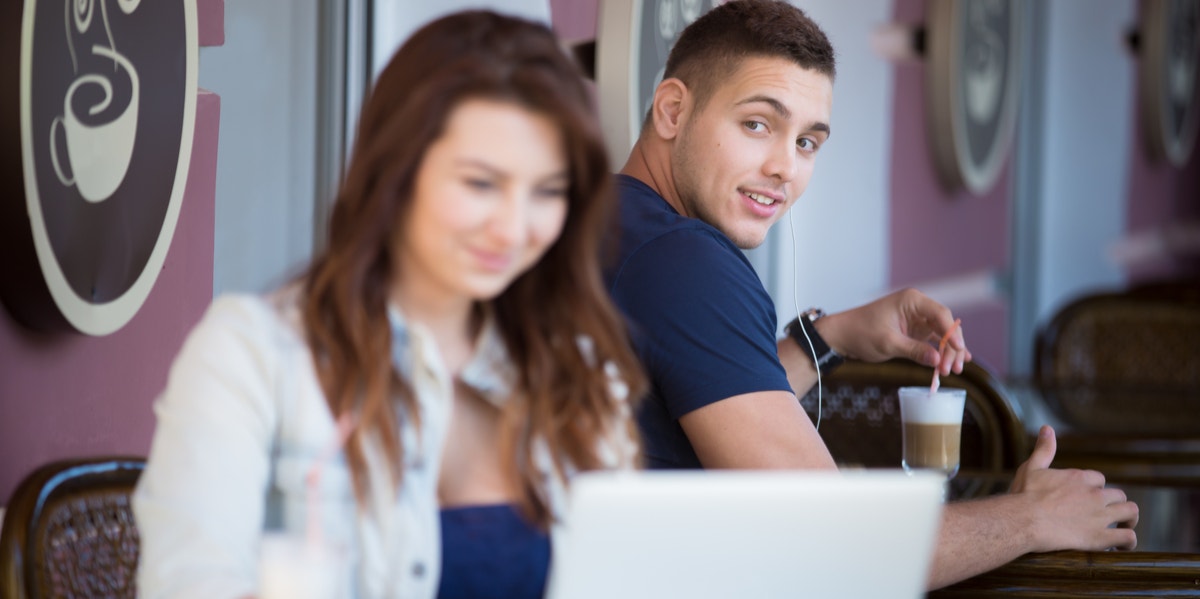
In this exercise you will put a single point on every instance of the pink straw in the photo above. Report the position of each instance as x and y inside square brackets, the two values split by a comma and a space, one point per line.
[941, 348]
[345, 424]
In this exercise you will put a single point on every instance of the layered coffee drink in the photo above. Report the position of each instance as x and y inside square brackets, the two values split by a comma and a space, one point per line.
[932, 428]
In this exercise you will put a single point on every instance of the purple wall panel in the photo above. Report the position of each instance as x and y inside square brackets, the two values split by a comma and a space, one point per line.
[69, 395]
[1160, 195]
[574, 20]
[937, 234]
[210, 21]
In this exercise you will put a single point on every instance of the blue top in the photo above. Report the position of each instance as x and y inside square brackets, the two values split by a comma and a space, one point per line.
[490, 551]
[703, 324]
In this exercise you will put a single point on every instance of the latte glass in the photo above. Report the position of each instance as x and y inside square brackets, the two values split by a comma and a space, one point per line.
[932, 428]
[293, 568]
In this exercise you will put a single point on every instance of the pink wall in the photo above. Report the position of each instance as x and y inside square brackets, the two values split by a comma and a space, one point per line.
[574, 20]
[1159, 195]
[936, 234]
[67, 395]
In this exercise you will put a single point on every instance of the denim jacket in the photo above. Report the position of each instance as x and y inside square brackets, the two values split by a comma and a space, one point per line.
[242, 422]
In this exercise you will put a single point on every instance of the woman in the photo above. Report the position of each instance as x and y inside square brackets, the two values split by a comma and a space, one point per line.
[455, 324]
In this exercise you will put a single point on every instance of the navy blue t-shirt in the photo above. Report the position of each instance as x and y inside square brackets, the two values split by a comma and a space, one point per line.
[702, 323]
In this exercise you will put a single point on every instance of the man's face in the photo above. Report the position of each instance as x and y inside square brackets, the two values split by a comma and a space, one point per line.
[746, 156]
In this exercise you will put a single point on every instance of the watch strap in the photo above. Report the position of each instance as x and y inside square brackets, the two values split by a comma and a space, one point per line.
[826, 359]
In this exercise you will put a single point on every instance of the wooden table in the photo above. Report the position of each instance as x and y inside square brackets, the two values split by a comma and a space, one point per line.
[1111, 574]
[1165, 564]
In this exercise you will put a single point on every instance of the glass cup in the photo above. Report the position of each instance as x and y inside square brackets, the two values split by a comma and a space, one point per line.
[932, 428]
[290, 567]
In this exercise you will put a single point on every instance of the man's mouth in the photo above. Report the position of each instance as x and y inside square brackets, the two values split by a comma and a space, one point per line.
[761, 199]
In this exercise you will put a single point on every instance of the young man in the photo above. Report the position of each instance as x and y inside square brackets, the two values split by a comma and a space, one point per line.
[728, 146]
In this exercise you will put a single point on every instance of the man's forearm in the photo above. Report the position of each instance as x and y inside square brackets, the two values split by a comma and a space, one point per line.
[800, 371]
[978, 536]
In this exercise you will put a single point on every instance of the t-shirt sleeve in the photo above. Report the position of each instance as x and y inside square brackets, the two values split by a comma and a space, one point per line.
[702, 321]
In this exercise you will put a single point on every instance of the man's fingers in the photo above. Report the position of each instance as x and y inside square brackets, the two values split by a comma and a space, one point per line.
[1118, 538]
[921, 353]
[1125, 514]
[1112, 496]
[1043, 451]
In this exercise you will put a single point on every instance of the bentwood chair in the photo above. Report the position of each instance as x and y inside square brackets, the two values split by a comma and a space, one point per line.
[69, 531]
[1122, 371]
[1147, 339]
[860, 419]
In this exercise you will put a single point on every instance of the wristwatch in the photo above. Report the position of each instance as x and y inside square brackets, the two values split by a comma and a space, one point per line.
[826, 359]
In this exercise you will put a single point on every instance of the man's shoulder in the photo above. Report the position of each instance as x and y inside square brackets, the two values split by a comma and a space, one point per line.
[649, 224]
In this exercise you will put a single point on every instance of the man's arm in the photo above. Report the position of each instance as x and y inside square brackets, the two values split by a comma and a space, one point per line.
[767, 429]
[903, 324]
[1046, 510]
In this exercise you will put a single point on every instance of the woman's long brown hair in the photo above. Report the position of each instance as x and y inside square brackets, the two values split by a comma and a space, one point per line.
[563, 396]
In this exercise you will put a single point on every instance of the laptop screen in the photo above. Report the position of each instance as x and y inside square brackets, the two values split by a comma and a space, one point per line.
[724, 534]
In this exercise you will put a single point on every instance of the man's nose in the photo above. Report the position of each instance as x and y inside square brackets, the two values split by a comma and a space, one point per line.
[783, 162]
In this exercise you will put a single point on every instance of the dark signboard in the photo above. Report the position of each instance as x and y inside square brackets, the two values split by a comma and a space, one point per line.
[971, 86]
[1169, 66]
[104, 108]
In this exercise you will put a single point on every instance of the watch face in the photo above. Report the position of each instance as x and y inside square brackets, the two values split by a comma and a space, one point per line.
[107, 109]
[1168, 63]
[971, 88]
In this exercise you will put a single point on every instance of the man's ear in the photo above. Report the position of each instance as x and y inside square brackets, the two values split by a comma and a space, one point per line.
[670, 108]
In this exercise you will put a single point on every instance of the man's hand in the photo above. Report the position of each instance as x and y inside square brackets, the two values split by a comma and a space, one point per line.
[903, 324]
[1072, 509]
[1045, 510]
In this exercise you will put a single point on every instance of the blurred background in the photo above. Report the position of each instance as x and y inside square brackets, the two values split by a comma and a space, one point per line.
[1080, 202]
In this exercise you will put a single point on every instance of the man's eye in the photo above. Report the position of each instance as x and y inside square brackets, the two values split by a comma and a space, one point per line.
[807, 144]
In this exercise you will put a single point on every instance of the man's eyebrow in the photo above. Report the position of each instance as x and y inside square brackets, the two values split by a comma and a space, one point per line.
[784, 113]
[821, 127]
[775, 105]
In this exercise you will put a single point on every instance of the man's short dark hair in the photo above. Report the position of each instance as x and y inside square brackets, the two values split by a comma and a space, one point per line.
[712, 48]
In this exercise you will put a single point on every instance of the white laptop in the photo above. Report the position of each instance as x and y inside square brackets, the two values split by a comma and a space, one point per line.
[733, 534]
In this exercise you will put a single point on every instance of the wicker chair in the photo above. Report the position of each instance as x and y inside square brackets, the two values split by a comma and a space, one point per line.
[1125, 362]
[1122, 371]
[1142, 339]
[860, 419]
[69, 531]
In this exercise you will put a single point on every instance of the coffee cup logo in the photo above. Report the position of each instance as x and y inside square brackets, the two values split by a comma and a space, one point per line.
[107, 112]
[971, 97]
[98, 152]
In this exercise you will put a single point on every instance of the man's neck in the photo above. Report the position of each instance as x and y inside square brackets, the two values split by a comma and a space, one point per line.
[652, 166]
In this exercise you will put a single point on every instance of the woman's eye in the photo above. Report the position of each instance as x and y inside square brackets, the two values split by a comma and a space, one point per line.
[480, 184]
[552, 193]
[755, 126]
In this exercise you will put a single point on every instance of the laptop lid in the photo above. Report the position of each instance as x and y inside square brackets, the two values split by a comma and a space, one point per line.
[724, 534]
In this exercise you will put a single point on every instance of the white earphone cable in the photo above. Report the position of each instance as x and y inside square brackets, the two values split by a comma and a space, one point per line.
[796, 303]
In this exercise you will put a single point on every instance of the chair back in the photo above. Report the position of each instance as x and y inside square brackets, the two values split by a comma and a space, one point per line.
[69, 531]
[1126, 362]
[1148, 338]
[860, 416]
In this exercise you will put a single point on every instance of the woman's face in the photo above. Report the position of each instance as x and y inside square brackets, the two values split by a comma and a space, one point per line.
[490, 198]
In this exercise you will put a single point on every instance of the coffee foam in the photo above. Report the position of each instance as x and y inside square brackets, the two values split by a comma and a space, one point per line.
[942, 407]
